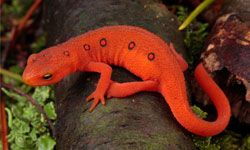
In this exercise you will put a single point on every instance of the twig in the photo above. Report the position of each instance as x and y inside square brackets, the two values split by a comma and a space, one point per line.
[9, 45]
[33, 102]
[10, 74]
[1, 2]
[195, 13]
[16, 30]
[3, 125]
[29, 13]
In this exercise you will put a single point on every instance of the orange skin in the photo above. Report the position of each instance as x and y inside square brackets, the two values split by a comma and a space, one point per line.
[142, 53]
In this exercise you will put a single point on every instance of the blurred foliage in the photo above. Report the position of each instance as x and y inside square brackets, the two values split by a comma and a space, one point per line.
[12, 12]
[17, 8]
[205, 143]
[194, 35]
[39, 44]
[27, 127]
[228, 140]
[200, 113]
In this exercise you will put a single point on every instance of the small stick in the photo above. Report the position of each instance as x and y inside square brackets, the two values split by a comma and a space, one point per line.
[24, 20]
[4, 128]
[16, 30]
[1, 2]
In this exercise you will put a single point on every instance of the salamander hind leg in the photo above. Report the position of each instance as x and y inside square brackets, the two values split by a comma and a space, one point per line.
[126, 89]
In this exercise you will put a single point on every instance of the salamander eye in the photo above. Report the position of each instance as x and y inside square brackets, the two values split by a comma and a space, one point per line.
[47, 76]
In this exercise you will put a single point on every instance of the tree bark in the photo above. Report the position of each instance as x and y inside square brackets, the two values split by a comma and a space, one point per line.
[141, 121]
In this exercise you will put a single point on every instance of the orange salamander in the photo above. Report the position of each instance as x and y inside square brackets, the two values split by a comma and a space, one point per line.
[142, 53]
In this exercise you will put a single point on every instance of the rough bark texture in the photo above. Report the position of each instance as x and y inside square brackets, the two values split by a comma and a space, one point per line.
[236, 6]
[227, 55]
[142, 121]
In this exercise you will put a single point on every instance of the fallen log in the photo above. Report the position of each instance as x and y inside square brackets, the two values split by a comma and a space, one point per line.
[142, 121]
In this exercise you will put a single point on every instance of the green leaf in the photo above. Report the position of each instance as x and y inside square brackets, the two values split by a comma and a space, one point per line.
[30, 113]
[39, 44]
[199, 112]
[13, 95]
[41, 94]
[25, 88]
[50, 110]
[17, 110]
[9, 115]
[20, 140]
[46, 143]
[33, 134]
[21, 126]
[182, 13]
[23, 142]
[16, 69]
[39, 126]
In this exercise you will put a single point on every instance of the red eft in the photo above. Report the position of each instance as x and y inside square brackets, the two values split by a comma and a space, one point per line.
[141, 52]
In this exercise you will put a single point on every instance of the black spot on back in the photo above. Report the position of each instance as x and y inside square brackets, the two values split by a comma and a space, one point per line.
[103, 42]
[151, 56]
[86, 47]
[66, 53]
[131, 45]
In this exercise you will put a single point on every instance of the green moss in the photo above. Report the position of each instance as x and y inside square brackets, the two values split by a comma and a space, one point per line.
[205, 143]
[226, 141]
[246, 143]
[38, 44]
[17, 8]
[233, 141]
[154, 141]
[194, 35]
[199, 112]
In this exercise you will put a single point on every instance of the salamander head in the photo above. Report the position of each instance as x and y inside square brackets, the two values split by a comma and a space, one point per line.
[49, 66]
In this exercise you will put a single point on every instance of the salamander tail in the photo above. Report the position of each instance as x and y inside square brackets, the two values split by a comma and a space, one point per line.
[176, 97]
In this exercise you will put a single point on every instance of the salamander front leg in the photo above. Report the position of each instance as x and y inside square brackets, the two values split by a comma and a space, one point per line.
[103, 83]
[129, 88]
